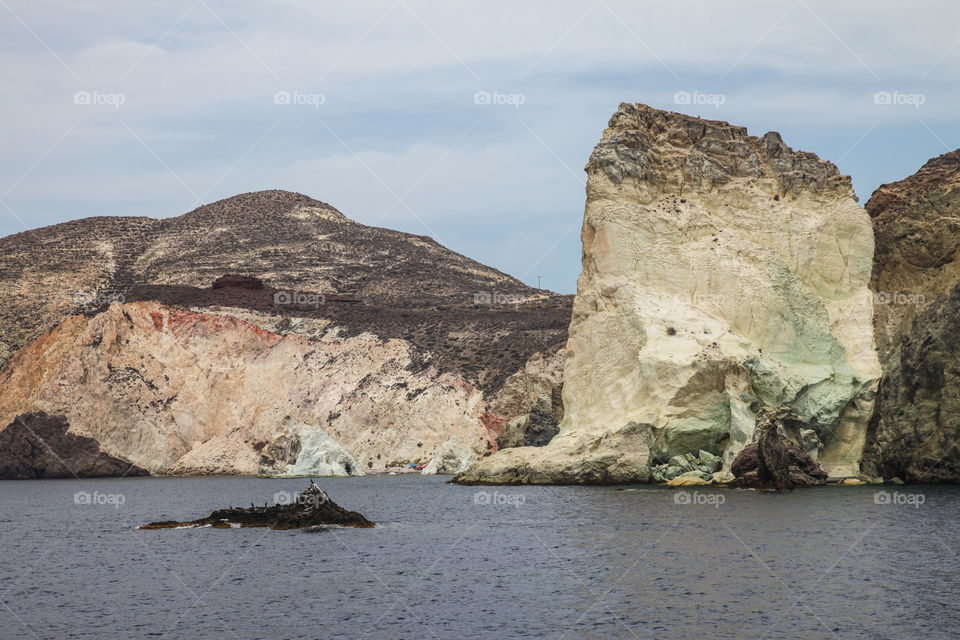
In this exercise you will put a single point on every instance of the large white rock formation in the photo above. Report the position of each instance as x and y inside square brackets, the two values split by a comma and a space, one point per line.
[722, 273]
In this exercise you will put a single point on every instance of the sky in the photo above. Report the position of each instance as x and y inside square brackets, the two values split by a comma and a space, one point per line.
[466, 121]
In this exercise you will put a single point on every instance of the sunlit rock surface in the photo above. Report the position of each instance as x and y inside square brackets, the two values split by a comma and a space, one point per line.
[722, 273]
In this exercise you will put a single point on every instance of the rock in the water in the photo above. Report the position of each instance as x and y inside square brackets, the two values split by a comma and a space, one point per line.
[775, 462]
[37, 445]
[722, 273]
[234, 281]
[310, 508]
[916, 283]
[689, 479]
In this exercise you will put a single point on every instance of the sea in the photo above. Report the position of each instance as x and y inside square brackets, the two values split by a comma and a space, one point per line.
[451, 562]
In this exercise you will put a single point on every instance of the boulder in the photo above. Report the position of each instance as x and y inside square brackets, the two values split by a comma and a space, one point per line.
[774, 462]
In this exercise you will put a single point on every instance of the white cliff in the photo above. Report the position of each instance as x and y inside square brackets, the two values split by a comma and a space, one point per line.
[722, 273]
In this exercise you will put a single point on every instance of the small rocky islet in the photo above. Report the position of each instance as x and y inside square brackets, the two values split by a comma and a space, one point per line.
[310, 509]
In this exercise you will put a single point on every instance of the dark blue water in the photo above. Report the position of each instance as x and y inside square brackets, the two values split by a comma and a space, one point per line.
[536, 562]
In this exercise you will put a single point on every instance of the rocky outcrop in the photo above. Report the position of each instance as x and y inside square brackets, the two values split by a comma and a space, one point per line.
[306, 451]
[916, 283]
[311, 508]
[774, 461]
[323, 347]
[722, 273]
[37, 445]
[704, 465]
[618, 457]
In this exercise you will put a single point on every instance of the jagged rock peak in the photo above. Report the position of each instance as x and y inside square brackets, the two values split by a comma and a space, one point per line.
[942, 172]
[668, 150]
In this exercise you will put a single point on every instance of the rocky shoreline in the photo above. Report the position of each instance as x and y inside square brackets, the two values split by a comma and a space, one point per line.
[740, 320]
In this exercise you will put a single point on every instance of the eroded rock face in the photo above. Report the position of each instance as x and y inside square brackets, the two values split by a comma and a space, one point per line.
[722, 273]
[181, 392]
[37, 445]
[916, 280]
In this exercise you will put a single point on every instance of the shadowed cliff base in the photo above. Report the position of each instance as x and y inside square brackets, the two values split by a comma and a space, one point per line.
[36, 445]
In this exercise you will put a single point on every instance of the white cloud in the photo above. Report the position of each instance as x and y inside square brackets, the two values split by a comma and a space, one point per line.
[398, 79]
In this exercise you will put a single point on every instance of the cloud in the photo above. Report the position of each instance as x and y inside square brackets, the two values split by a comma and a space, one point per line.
[389, 89]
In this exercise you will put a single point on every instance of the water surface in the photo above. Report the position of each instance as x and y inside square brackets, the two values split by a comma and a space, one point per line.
[471, 562]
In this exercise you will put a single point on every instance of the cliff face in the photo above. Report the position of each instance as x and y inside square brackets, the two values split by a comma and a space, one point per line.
[916, 280]
[358, 347]
[181, 392]
[722, 273]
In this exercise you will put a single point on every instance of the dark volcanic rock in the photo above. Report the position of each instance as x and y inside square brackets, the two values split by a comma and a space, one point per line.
[541, 427]
[36, 445]
[916, 430]
[294, 241]
[311, 508]
[234, 281]
[916, 282]
[774, 462]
